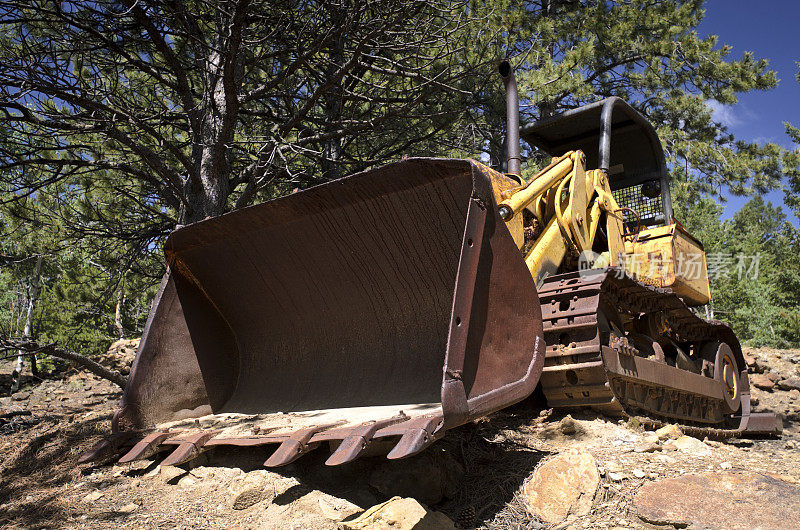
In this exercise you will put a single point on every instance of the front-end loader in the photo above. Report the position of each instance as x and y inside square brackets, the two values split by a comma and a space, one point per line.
[398, 303]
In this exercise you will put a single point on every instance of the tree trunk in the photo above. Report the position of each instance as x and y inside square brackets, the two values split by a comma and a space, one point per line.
[33, 296]
[208, 190]
[547, 108]
[118, 312]
[333, 108]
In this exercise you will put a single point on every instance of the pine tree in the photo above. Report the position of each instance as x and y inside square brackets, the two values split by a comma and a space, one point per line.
[569, 53]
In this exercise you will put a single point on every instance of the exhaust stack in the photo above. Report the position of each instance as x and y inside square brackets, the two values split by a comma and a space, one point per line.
[513, 158]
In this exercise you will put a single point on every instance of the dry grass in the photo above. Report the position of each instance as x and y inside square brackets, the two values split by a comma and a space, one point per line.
[37, 463]
[496, 467]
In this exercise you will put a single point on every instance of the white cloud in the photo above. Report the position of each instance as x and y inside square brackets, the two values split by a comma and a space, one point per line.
[763, 140]
[724, 114]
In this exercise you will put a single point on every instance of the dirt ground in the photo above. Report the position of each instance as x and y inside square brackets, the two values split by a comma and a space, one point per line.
[43, 486]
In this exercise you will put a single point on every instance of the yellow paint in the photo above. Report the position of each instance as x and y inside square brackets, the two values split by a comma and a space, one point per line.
[547, 254]
[668, 256]
[579, 200]
[569, 202]
[539, 184]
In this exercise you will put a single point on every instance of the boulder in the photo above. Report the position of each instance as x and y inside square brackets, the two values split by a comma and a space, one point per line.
[563, 485]
[669, 432]
[726, 499]
[251, 489]
[568, 425]
[128, 508]
[169, 474]
[429, 477]
[792, 383]
[120, 355]
[692, 446]
[773, 376]
[21, 396]
[399, 514]
[794, 394]
[763, 382]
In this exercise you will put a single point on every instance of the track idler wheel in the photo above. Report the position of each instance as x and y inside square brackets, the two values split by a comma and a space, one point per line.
[726, 373]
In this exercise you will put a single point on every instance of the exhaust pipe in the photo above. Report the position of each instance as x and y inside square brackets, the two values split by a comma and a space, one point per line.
[513, 158]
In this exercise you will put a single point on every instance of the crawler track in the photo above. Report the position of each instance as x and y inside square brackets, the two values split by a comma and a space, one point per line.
[588, 366]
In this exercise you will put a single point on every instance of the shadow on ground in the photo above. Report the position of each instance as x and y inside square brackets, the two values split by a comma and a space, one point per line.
[39, 461]
[495, 468]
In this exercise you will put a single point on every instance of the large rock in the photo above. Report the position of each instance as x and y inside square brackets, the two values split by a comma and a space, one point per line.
[399, 514]
[120, 355]
[563, 485]
[792, 383]
[669, 432]
[763, 382]
[253, 488]
[728, 499]
[428, 477]
[568, 425]
[170, 474]
[692, 446]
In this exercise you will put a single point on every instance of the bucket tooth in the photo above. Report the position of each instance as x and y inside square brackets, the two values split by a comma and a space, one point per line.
[108, 446]
[416, 435]
[146, 447]
[189, 448]
[296, 445]
[357, 441]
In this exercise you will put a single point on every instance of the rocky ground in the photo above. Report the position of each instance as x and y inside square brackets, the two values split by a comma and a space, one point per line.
[521, 468]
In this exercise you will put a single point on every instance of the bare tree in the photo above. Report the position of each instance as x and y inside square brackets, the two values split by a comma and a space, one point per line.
[32, 293]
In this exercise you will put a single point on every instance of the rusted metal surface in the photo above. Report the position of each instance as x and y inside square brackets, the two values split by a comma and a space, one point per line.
[109, 446]
[146, 447]
[397, 293]
[586, 365]
[189, 447]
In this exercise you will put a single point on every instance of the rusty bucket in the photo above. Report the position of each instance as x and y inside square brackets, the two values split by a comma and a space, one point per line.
[390, 304]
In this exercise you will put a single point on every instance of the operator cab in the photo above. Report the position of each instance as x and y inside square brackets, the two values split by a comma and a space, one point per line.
[616, 138]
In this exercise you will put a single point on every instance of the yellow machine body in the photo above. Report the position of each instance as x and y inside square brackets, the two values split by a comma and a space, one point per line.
[668, 256]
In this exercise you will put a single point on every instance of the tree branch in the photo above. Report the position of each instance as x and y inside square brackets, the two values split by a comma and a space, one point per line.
[31, 346]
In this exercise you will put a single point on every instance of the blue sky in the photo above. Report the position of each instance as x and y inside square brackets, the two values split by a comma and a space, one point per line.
[770, 30]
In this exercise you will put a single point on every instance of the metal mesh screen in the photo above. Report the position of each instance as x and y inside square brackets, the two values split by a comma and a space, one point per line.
[631, 197]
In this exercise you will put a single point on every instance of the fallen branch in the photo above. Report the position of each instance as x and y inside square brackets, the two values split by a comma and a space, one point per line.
[31, 346]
